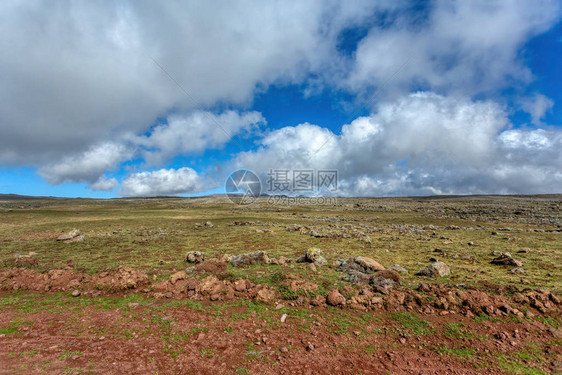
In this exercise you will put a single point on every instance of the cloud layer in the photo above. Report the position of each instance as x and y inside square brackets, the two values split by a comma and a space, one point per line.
[87, 87]
[422, 143]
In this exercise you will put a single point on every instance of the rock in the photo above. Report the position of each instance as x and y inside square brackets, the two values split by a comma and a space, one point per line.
[284, 350]
[208, 224]
[361, 264]
[318, 300]
[517, 270]
[435, 269]
[398, 268]
[314, 255]
[283, 318]
[334, 298]
[507, 260]
[385, 278]
[68, 236]
[76, 293]
[266, 294]
[259, 257]
[75, 239]
[523, 250]
[211, 266]
[195, 257]
[355, 277]
[312, 267]
[181, 275]
[240, 285]
[128, 278]
[209, 286]
[281, 260]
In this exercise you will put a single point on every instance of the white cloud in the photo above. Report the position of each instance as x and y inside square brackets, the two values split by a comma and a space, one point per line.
[537, 106]
[104, 184]
[162, 182]
[89, 166]
[196, 131]
[423, 143]
[462, 47]
[81, 73]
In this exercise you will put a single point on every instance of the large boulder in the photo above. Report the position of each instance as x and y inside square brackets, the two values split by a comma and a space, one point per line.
[249, 259]
[435, 269]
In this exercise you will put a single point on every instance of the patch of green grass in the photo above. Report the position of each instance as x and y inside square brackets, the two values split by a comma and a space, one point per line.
[549, 320]
[242, 371]
[456, 331]
[412, 322]
[287, 293]
[460, 352]
[512, 366]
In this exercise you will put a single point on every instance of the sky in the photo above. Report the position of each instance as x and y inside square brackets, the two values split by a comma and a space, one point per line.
[144, 98]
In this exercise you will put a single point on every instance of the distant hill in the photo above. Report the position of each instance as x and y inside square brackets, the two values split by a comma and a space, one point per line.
[17, 197]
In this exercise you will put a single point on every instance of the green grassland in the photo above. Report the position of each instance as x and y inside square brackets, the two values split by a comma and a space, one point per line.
[154, 234]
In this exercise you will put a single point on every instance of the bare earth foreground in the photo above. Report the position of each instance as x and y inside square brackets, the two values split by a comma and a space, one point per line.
[118, 293]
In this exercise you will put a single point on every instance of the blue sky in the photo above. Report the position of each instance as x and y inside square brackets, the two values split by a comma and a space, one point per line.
[402, 98]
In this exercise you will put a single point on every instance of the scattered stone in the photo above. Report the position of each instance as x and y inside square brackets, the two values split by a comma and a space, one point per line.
[208, 224]
[211, 266]
[314, 255]
[181, 275]
[312, 267]
[361, 264]
[249, 259]
[435, 269]
[195, 257]
[76, 293]
[335, 298]
[523, 250]
[284, 350]
[517, 270]
[283, 318]
[318, 300]
[385, 278]
[282, 260]
[507, 260]
[69, 236]
[398, 268]
[309, 347]
[266, 294]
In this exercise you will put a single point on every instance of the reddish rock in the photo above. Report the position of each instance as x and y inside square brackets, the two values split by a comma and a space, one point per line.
[335, 298]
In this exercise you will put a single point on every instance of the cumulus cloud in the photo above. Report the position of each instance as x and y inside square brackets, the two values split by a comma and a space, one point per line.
[89, 166]
[459, 47]
[196, 131]
[75, 74]
[81, 92]
[423, 143]
[162, 182]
